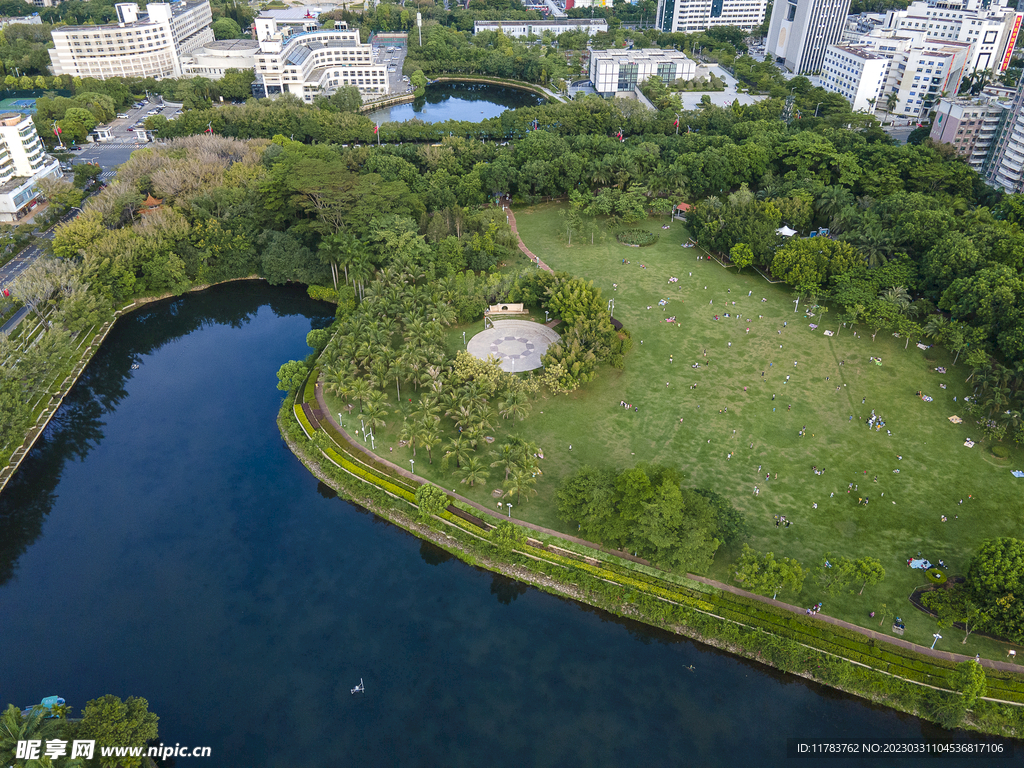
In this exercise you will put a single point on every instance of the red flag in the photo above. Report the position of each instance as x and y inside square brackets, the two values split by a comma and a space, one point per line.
[376, 128]
[619, 134]
[6, 292]
[209, 128]
[57, 131]
[676, 123]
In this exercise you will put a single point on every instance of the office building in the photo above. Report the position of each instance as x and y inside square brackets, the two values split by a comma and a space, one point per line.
[309, 62]
[902, 76]
[801, 30]
[991, 27]
[149, 44]
[23, 164]
[699, 15]
[621, 71]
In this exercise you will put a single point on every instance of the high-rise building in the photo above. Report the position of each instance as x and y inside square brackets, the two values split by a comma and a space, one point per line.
[801, 30]
[1006, 167]
[23, 164]
[972, 124]
[139, 45]
[698, 15]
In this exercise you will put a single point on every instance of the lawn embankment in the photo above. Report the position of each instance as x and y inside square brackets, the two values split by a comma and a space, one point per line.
[840, 657]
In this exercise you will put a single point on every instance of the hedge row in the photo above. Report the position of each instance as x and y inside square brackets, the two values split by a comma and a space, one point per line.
[300, 416]
[368, 476]
[604, 573]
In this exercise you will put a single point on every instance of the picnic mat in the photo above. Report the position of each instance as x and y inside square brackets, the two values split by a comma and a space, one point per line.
[956, 419]
[1017, 473]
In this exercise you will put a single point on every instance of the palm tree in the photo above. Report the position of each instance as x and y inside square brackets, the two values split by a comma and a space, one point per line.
[474, 472]
[429, 436]
[458, 449]
[373, 416]
[516, 406]
[379, 399]
[360, 390]
[891, 100]
[832, 201]
[520, 482]
[508, 459]
[410, 434]
[935, 327]
[38, 725]
[897, 295]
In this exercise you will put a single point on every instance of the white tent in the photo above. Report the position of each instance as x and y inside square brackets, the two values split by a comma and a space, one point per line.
[785, 231]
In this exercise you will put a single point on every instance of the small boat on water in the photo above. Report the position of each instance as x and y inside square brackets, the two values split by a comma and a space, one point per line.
[359, 688]
[48, 703]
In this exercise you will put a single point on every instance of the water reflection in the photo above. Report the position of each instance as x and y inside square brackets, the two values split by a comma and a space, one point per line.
[433, 554]
[506, 589]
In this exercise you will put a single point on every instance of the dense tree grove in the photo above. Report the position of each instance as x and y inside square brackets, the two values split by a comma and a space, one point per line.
[646, 510]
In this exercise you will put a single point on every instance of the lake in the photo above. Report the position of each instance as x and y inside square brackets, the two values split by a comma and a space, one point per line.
[161, 541]
[471, 102]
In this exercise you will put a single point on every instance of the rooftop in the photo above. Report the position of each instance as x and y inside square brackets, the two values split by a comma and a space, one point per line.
[232, 45]
[858, 52]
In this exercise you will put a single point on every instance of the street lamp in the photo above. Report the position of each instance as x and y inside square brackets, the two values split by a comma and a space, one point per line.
[545, 315]
[509, 505]
[937, 637]
[373, 445]
[464, 339]
[412, 465]
[816, 107]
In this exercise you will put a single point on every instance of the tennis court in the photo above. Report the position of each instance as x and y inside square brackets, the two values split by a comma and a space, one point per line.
[26, 106]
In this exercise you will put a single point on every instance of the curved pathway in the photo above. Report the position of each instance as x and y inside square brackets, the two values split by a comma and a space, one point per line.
[522, 246]
[325, 413]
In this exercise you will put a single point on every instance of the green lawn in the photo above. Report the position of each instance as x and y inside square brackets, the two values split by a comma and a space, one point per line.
[732, 409]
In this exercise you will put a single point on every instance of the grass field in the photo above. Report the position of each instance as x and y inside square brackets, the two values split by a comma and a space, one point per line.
[728, 432]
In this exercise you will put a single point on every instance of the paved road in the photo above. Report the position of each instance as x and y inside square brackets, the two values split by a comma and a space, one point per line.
[17, 265]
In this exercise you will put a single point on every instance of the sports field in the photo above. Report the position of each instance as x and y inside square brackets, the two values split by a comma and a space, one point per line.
[728, 432]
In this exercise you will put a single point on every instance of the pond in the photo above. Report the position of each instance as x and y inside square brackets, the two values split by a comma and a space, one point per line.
[471, 102]
[161, 541]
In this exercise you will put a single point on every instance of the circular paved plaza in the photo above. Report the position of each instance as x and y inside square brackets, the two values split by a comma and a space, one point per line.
[519, 344]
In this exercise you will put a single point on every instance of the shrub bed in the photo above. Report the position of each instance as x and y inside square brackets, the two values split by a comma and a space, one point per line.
[636, 236]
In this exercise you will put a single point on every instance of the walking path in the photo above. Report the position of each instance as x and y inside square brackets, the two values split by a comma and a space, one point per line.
[522, 246]
[324, 413]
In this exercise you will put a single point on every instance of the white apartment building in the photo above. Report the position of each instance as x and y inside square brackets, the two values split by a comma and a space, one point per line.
[314, 63]
[538, 28]
[991, 27]
[23, 164]
[699, 15]
[139, 45]
[213, 59]
[618, 71]
[921, 70]
[801, 30]
[855, 73]
[972, 125]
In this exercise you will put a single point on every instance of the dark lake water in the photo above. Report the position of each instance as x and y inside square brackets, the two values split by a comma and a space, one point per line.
[472, 102]
[161, 541]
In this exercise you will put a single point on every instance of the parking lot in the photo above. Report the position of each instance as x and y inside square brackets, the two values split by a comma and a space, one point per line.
[128, 123]
[393, 57]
